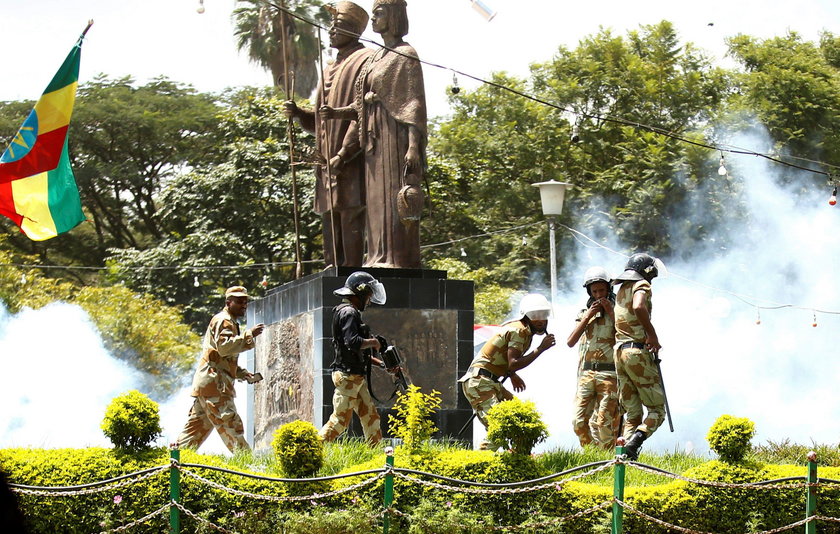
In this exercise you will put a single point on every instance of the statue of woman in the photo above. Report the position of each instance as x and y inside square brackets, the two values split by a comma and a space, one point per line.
[391, 109]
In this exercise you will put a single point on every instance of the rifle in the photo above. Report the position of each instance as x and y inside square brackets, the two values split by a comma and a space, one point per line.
[656, 360]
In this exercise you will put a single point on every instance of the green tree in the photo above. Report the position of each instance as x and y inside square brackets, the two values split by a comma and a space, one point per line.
[235, 213]
[259, 30]
[793, 87]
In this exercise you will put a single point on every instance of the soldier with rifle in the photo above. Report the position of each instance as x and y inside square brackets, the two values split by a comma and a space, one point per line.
[354, 347]
[637, 349]
[504, 354]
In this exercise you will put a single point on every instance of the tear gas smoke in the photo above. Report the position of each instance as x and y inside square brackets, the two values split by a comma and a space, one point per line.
[781, 373]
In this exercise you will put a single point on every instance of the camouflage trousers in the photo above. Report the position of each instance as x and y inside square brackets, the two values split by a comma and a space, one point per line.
[208, 413]
[352, 395]
[483, 393]
[639, 386]
[596, 417]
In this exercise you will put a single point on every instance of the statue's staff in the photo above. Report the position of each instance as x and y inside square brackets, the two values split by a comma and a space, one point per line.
[325, 130]
[290, 134]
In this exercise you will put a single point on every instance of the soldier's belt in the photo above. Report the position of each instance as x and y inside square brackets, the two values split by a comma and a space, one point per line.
[480, 371]
[598, 366]
[632, 345]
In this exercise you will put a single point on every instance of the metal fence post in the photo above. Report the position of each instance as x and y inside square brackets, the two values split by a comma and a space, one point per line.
[811, 497]
[174, 489]
[389, 490]
[618, 489]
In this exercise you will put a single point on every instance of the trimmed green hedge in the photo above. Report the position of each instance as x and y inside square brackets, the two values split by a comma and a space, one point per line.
[429, 510]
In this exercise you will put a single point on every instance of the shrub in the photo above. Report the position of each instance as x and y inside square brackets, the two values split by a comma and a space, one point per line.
[132, 421]
[413, 422]
[516, 425]
[730, 437]
[298, 449]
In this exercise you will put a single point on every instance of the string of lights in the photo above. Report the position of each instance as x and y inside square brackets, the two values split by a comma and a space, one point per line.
[611, 119]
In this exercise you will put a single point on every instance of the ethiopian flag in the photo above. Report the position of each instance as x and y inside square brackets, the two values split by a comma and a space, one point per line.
[37, 188]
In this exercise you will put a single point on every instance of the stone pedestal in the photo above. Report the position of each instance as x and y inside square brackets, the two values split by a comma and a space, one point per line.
[428, 317]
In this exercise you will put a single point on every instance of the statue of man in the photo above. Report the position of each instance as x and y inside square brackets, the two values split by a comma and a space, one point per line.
[340, 193]
[391, 108]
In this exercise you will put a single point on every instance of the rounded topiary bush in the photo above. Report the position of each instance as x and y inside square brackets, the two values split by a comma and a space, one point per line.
[298, 449]
[516, 425]
[730, 437]
[132, 421]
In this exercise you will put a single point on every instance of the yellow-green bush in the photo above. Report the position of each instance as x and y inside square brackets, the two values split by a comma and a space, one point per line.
[298, 449]
[132, 421]
[516, 425]
[730, 437]
[413, 423]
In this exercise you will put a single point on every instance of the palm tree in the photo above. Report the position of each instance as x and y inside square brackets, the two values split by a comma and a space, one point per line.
[258, 30]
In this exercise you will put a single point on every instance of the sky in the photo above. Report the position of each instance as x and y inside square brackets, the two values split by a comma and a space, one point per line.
[168, 37]
[781, 373]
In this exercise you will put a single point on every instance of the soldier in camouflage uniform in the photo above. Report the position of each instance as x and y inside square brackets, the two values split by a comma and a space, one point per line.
[637, 345]
[596, 417]
[503, 355]
[212, 388]
[353, 344]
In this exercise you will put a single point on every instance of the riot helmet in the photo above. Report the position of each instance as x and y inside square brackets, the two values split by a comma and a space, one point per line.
[362, 284]
[595, 274]
[640, 266]
[535, 307]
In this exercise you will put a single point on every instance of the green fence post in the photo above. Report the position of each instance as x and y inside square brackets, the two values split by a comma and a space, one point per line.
[811, 497]
[389, 490]
[174, 489]
[618, 488]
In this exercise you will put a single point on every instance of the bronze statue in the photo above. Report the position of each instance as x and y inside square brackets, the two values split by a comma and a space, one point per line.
[339, 187]
[390, 107]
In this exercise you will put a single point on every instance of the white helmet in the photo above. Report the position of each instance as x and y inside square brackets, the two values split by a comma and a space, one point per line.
[535, 306]
[596, 274]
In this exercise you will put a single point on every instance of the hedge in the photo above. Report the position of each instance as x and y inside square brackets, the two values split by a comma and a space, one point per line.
[430, 510]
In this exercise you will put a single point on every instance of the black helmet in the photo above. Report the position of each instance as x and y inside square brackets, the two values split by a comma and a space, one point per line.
[362, 284]
[639, 266]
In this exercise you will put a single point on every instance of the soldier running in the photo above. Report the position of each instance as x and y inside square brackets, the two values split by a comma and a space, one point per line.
[503, 355]
[637, 347]
[596, 417]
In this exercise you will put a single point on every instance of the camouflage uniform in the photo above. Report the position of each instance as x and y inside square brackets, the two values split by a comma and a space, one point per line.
[639, 383]
[213, 385]
[597, 389]
[484, 392]
[349, 368]
[352, 395]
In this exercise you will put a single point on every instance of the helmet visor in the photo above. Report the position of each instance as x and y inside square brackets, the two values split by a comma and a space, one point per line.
[538, 315]
[377, 295]
[660, 267]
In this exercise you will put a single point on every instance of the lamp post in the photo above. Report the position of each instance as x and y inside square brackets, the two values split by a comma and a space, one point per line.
[552, 194]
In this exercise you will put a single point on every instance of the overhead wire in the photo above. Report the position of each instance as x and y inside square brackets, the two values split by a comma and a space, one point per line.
[612, 119]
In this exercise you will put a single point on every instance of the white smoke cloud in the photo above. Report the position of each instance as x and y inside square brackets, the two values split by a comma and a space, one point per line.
[59, 379]
[782, 373]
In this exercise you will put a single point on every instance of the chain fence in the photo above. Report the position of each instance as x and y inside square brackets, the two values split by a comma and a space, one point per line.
[389, 474]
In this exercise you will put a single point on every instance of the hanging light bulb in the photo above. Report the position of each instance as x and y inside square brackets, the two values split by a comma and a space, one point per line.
[200, 9]
[575, 138]
[23, 278]
[264, 281]
[463, 253]
[524, 240]
[814, 324]
[196, 283]
[833, 200]
[722, 169]
[454, 89]
[758, 316]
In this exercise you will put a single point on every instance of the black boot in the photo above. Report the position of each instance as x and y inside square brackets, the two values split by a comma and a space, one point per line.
[634, 445]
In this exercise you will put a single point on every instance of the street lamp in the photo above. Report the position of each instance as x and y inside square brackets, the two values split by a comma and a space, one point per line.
[552, 194]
